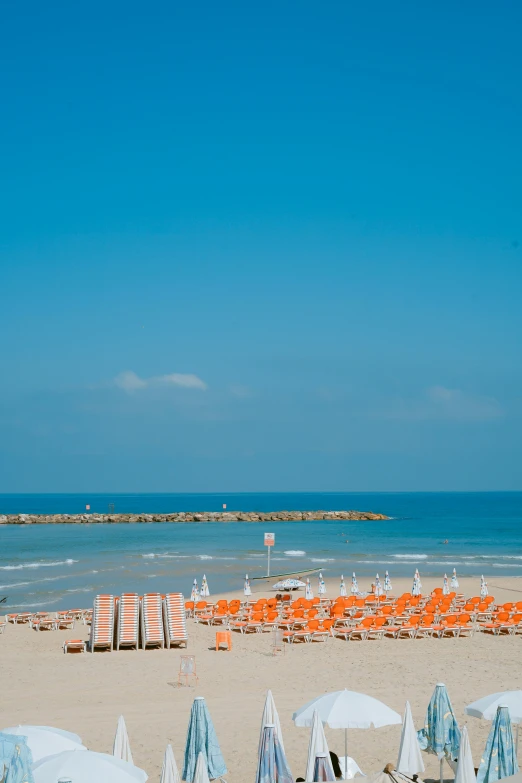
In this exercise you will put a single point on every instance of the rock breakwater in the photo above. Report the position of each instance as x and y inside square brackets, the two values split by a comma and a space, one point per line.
[188, 516]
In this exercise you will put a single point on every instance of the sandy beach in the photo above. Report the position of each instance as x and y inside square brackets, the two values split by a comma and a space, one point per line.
[86, 693]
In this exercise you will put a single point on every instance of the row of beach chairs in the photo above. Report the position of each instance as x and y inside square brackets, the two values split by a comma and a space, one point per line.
[154, 620]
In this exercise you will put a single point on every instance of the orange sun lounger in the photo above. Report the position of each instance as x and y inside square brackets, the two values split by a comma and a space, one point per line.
[175, 620]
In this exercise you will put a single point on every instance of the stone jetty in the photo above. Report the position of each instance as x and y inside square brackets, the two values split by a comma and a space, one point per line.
[188, 516]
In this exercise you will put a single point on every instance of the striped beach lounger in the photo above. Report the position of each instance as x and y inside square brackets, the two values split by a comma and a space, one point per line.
[128, 621]
[175, 620]
[152, 620]
[102, 627]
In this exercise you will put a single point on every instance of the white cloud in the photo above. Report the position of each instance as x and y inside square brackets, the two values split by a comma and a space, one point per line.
[130, 382]
[441, 402]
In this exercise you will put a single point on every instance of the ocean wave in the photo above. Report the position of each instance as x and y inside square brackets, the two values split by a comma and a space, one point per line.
[322, 559]
[506, 565]
[79, 590]
[377, 562]
[151, 554]
[412, 557]
[205, 557]
[446, 563]
[294, 552]
[37, 604]
[69, 561]
[33, 582]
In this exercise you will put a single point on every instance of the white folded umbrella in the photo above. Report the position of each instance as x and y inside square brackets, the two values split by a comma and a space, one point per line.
[316, 745]
[46, 741]
[270, 718]
[121, 747]
[465, 768]
[85, 766]
[169, 772]
[410, 758]
[201, 773]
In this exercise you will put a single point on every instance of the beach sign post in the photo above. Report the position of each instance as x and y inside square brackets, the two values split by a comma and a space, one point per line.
[269, 542]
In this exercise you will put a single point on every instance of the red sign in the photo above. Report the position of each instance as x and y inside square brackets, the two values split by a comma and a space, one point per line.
[224, 505]
[269, 539]
[87, 507]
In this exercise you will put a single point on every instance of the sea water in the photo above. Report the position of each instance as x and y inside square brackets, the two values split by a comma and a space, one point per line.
[63, 566]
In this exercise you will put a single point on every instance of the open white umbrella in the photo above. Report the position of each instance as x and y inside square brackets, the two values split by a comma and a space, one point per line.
[342, 587]
[246, 589]
[85, 766]
[45, 741]
[487, 707]
[270, 718]
[121, 747]
[410, 758]
[201, 772]
[316, 745]
[169, 771]
[288, 584]
[347, 710]
[465, 768]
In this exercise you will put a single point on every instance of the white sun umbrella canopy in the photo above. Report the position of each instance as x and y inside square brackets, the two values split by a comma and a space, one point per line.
[417, 574]
[347, 710]
[465, 772]
[416, 587]
[454, 580]
[387, 583]
[246, 589]
[342, 587]
[486, 707]
[121, 747]
[309, 593]
[270, 717]
[194, 596]
[205, 592]
[169, 771]
[410, 758]
[322, 586]
[378, 587]
[85, 767]
[45, 741]
[355, 587]
[316, 745]
[288, 584]
[483, 587]
[445, 585]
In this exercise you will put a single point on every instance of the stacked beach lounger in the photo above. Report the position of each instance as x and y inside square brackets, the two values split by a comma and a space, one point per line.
[152, 621]
[102, 627]
[175, 621]
[128, 621]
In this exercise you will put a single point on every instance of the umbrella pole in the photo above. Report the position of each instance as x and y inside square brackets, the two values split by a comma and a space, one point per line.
[346, 754]
[441, 770]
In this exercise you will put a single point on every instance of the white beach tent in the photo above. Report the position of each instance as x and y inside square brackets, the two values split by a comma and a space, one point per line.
[316, 745]
[347, 710]
[46, 741]
[169, 771]
[270, 718]
[85, 766]
[410, 758]
[465, 772]
[121, 747]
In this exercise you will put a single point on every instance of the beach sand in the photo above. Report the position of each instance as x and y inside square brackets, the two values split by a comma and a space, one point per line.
[86, 693]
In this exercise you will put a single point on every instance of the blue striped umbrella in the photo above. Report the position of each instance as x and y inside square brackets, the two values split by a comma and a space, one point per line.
[499, 759]
[202, 738]
[15, 759]
[272, 766]
[441, 733]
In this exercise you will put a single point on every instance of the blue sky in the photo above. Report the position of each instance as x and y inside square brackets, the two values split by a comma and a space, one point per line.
[253, 247]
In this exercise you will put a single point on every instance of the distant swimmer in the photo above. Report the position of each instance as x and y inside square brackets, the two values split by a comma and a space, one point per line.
[445, 541]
